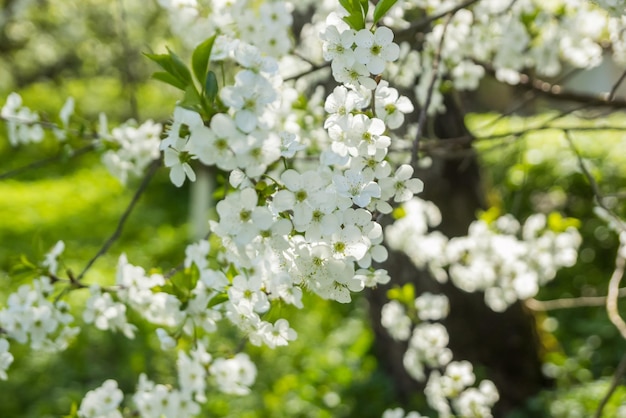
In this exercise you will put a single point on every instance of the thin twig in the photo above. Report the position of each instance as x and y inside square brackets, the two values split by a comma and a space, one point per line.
[592, 182]
[429, 94]
[558, 92]
[46, 161]
[314, 68]
[621, 369]
[531, 97]
[619, 81]
[569, 303]
[611, 300]
[120, 225]
[427, 20]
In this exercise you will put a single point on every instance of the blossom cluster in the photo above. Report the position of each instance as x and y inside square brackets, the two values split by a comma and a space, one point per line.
[504, 259]
[267, 27]
[428, 358]
[31, 317]
[129, 149]
[501, 36]
[22, 123]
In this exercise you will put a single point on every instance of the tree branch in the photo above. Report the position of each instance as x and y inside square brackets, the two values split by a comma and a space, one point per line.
[120, 225]
[420, 24]
[568, 303]
[621, 369]
[557, 92]
[46, 161]
[611, 300]
[592, 182]
[429, 94]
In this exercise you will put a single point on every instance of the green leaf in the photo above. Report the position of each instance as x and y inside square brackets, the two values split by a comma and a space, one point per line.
[347, 4]
[73, 411]
[355, 21]
[210, 86]
[167, 78]
[382, 8]
[217, 299]
[357, 11]
[404, 294]
[163, 60]
[172, 65]
[364, 7]
[200, 58]
[180, 68]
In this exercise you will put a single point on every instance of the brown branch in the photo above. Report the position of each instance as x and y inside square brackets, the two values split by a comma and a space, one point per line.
[314, 68]
[120, 225]
[621, 369]
[429, 94]
[46, 161]
[592, 182]
[557, 92]
[569, 303]
[616, 86]
[420, 24]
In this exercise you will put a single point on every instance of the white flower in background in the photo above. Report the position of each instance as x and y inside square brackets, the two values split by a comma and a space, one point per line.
[432, 307]
[197, 254]
[6, 358]
[51, 258]
[373, 278]
[395, 320]
[102, 402]
[466, 75]
[130, 149]
[290, 144]
[22, 123]
[278, 334]
[106, 314]
[399, 413]
[235, 375]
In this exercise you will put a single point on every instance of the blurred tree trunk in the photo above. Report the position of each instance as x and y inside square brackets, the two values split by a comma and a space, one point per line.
[506, 344]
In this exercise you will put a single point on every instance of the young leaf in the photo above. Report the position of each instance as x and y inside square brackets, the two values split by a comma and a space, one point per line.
[167, 78]
[364, 7]
[200, 58]
[164, 61]
[217, 299]
[173, 66]
[210, 86]
[180, 68]
[382, 8]
[355, 21]
[347, 4]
